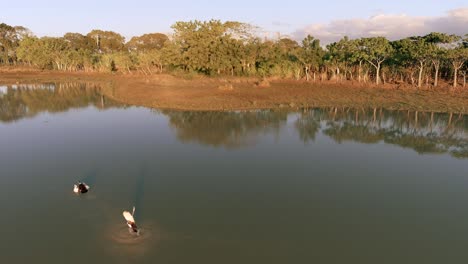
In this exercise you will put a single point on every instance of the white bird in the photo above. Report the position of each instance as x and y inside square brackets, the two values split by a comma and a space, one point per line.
[130, 220]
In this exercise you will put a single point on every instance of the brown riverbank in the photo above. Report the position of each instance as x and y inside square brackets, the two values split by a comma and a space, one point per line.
[202, 93]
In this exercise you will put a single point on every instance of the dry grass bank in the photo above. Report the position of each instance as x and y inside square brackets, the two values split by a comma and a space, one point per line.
[202, 93]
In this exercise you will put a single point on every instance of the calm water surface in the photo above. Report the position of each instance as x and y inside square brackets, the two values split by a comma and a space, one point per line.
[309, 186]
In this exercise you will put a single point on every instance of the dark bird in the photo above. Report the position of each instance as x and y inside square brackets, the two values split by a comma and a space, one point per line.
[81, 187]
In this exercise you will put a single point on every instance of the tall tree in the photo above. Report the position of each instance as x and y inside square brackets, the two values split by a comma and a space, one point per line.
[200, 44]
[310, 55]
[457, 57]
[357, 56]
[419, 51]
[436, 50]
[376, 50]
[340, 54]
[107, 41]
[10, 37]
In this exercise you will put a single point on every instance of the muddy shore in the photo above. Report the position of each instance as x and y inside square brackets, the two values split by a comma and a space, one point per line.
[213, 94]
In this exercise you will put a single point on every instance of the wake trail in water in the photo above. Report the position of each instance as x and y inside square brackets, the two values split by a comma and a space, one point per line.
[140, 191]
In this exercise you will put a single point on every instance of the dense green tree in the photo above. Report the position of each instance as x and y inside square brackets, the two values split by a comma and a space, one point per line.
[46, 52]
[8, 41]
[202, 45]
[10, 36]
[26, 50]
[457, 57]
[150, 61]
[78, 41]
[437, 52]
[310, 55]
[358, 57]
[107, 41]
[123, 61]
[341, 56]
[418, 50]
[268, 60]
[376, 51]
[147, 42]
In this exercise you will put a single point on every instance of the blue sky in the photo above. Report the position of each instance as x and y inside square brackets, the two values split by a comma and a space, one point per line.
[130, 18]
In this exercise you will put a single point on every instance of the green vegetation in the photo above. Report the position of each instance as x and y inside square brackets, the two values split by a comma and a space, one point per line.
[232, 48]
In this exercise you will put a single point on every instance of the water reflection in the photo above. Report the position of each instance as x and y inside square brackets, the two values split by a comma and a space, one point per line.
[292, 186]
[27, 100]
[422, 132]
[228, 129]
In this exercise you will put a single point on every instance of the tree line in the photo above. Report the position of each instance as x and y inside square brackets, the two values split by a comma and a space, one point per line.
[232, 48]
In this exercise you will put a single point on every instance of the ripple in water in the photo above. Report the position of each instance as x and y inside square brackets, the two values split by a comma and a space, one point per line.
[124, 235]
[125, 243]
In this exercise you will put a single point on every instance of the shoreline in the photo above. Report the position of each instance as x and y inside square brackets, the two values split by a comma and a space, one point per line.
[244, 93]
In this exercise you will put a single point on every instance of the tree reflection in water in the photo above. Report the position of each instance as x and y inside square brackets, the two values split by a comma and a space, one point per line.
[228, 129]
[28, 100]
[422, 132]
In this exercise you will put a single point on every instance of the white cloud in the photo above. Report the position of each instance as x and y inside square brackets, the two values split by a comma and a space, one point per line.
[391, 26]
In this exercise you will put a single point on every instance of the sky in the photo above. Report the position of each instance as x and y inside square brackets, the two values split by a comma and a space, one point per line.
[327, 20]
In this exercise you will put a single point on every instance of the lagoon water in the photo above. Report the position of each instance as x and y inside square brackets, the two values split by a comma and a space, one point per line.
[331, 185]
